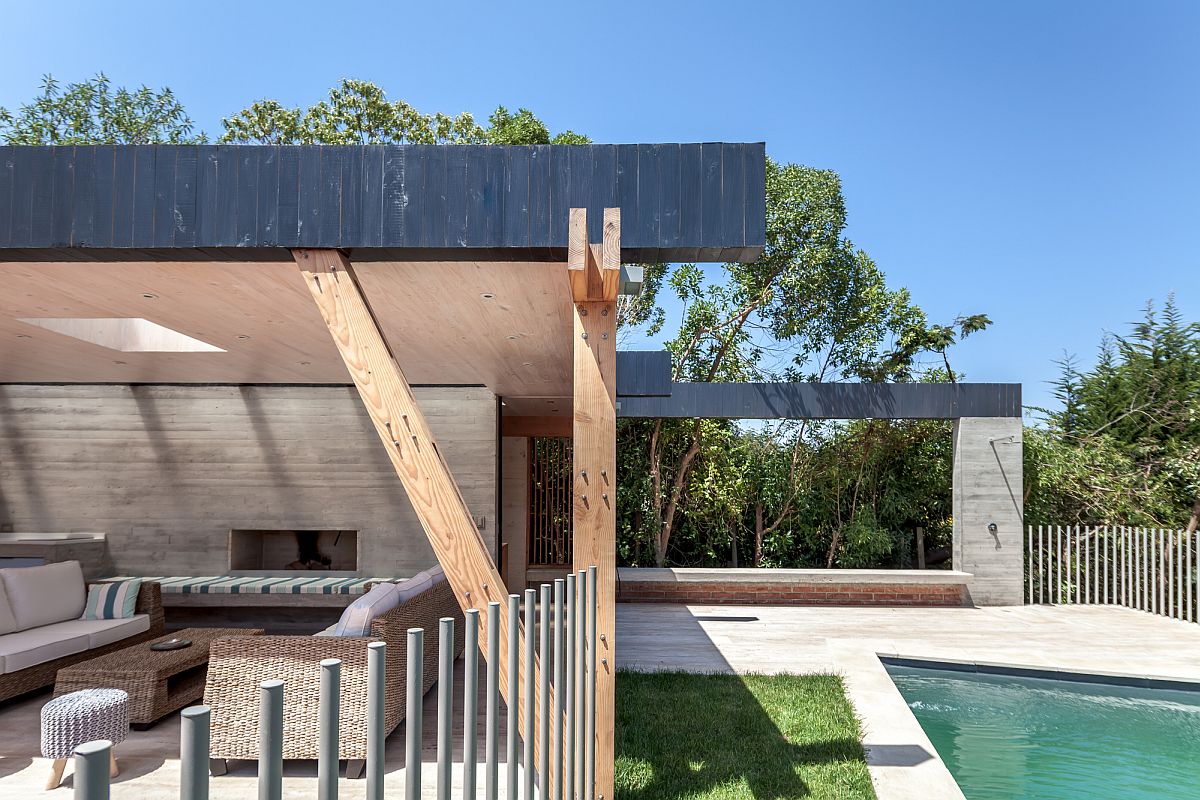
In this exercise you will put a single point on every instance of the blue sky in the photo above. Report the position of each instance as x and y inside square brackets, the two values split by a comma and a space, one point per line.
[1037, 161]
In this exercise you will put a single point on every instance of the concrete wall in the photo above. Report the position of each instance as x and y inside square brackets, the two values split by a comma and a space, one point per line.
[167, 471]
[515, 501]
[987, 489]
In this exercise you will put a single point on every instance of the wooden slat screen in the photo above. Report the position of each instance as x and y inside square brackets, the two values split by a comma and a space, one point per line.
[550, 502]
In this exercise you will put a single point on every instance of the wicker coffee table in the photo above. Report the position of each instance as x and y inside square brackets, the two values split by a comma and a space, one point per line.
[157, 681]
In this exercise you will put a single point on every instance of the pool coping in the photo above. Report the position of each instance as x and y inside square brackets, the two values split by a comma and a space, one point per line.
[1098, 677]
[902, 762]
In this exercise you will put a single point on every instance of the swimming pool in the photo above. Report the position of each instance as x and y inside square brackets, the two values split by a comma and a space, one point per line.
[1006, 737]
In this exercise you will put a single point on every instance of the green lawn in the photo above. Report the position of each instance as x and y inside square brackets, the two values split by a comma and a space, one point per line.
[732, 737]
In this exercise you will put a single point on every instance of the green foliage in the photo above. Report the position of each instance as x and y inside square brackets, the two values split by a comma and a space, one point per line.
[358, 112]
[524, 128]
[814, 308]
[1125, 446]
[93, 112]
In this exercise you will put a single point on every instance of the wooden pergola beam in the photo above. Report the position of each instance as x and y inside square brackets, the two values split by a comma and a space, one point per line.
[594, 270]
[412, 448]
[594, 273]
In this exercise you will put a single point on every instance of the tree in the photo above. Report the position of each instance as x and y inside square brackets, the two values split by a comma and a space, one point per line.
[92, 112]
[812, 307]
[1125, 445]
[358, 112]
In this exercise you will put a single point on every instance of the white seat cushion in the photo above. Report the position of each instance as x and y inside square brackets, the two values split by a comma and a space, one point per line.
[357, 618]
[8, 623]
[101, 632]
[38, 645]
[43, 595]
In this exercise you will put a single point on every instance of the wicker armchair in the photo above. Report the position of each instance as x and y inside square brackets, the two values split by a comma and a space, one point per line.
[238, 665]
[149, 601]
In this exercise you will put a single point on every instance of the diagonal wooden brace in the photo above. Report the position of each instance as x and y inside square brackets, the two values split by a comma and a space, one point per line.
[410, 445]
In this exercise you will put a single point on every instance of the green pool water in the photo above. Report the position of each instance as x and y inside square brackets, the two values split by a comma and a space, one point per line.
[1011, 737]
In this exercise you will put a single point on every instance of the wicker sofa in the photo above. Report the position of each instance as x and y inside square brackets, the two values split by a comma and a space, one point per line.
[238, 665]
[32, 654]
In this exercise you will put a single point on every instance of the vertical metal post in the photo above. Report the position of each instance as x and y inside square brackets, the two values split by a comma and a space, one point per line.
[590, 740]
[270, 740]
[470, 701]
[1156, 567]
[1187, 558]
[92, 761]
[1058, 555]
[530, 712]
[445, 720]
[1107, 561]
[559, 694]
[376, 680]
[330, 709]
[491, 743]
[569, 700]
[1079, 553]
[412, 714]
[194, 738]
[1029, 565]
[544, 692]
[514, 692]
[1086, 545]
[581, 685]
[1041, 568]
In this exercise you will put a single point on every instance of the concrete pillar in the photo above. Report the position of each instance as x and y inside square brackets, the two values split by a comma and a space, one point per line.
[988, 492]
[514, 495]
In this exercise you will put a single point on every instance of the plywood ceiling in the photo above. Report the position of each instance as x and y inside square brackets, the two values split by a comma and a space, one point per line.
[438, 321]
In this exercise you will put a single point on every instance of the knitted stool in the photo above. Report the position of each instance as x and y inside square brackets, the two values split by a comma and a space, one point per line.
[79, 717]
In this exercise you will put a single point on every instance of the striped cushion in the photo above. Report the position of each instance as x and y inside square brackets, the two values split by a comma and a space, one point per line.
[357, 618]
[112, 600]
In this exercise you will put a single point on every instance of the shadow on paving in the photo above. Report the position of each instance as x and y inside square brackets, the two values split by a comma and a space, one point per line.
[728, 737]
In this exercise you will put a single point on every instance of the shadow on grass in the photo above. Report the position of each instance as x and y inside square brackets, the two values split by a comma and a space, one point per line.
[688, 736]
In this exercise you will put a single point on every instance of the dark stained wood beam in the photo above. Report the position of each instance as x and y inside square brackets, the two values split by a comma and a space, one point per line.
[536, 426]
[681, 202]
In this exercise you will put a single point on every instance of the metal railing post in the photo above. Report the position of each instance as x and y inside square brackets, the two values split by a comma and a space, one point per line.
[514, 692]
[581, 685]
[92, 761]
[558, 688]
[376, 688]
[330, 709]
[569, 700]
[470, 701]
[491, 744]
[412, 715]
[445, 711]
[544, 693]
[194, 738]
[530, 712]
[590, 740]
[270, 740]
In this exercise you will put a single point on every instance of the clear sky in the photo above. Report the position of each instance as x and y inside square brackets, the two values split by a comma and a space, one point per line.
[1037, 161]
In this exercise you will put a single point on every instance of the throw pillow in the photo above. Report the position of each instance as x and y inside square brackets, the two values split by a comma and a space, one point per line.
[112, 600]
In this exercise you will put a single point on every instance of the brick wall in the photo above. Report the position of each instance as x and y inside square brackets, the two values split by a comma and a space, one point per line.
[796, 594]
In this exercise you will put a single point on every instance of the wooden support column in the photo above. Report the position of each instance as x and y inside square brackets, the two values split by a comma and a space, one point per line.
[595, 274]
[410, 445]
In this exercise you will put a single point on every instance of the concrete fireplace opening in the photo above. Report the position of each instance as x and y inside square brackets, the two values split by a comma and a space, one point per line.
[282, 552]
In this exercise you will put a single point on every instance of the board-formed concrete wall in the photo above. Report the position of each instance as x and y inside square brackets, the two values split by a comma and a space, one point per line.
[167, 471]
[987, 490]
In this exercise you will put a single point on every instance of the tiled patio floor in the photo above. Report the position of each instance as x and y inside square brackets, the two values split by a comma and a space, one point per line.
[701, 638]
